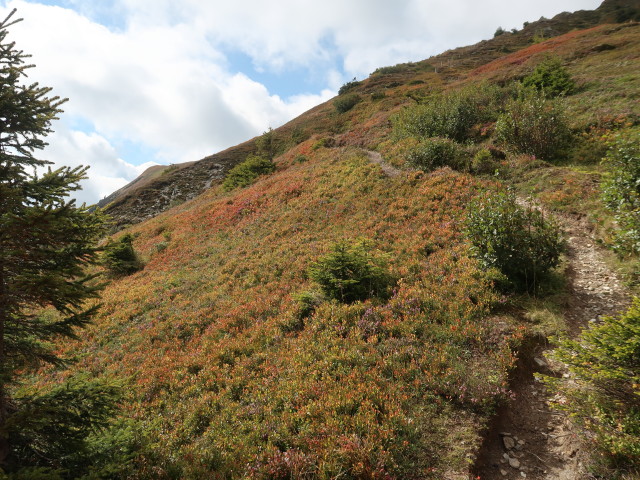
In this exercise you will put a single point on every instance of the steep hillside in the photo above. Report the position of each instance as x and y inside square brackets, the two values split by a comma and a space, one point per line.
[239, 362]
[146, 197]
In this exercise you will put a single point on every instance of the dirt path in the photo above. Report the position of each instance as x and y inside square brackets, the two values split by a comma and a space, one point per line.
[388, 170]
[527, 438]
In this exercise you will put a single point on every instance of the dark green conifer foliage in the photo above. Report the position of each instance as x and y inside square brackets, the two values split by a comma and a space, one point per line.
[120, 258]
[551, 77]
[350, 273]
[46, 244]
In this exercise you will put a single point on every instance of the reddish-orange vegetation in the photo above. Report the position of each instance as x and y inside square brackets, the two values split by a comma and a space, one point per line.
[201, 332]
[522, 56]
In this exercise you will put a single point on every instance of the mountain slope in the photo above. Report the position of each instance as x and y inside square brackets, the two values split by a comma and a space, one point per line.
[144, 199]
[237, 366]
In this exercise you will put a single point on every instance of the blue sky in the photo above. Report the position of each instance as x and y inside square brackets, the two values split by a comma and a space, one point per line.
[161, 81]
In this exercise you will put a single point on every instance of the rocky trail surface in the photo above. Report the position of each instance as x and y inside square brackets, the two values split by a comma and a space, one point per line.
[528, 439]
[388, 170]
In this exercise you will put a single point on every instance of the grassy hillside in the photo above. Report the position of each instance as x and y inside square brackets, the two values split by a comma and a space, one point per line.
[237, 367]
[226, 376]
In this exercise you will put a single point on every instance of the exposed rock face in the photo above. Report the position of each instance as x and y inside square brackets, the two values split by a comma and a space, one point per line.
[146, 198]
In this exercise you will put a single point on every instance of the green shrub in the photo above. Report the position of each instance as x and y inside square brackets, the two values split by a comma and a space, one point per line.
[551, 77]
[604, 392]
[245, 173]
[299, 135]
[519, 242]
[349, 272]
[451, 115]
[323, 143]
[306, 304]
[483, 162]
[400, 68]
[267, 144]
[534, 125]
[499, 31]
[120, 258]
[621, 189]
[344, 103]
[349, 86]
[437, 152]
[70, 427]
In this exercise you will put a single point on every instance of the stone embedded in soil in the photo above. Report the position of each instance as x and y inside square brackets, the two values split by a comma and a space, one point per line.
[503, 472]
[509, 442]
[540, 362]
[514, 463]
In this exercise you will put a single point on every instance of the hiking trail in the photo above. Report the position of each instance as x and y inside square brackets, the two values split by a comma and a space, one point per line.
[528, 439]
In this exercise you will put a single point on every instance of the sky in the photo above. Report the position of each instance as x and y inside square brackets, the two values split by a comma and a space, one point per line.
[165, 81]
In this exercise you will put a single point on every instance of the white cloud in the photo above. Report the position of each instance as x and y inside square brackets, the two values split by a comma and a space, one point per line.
[365, 34]
[108, 172]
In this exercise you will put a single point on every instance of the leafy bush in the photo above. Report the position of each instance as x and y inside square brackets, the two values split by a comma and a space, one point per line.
[120, 258]
[604, 394]
[306, 303]
[323, 143]
[350, 273]
[245, 173]
[534, 125]
[499, 31]
[483, 162]
[551, 77]
[401, 67]
[344, 103]
[621, 190]
[437, 152]
[519, 242]
[451, 115]
[348, 86]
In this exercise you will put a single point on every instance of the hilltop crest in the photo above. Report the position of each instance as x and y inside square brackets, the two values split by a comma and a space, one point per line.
[162, 187]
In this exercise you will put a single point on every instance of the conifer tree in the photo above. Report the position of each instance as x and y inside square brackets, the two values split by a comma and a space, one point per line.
[46, 244]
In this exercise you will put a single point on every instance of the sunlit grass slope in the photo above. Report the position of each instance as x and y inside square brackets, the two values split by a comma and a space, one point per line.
[225, 387]
[224, 378]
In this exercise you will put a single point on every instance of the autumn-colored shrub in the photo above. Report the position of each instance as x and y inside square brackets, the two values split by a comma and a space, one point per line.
[518, 241]
[604, 392]
[349, 272]
[621, 189]
[247, 172]
[534, 125]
